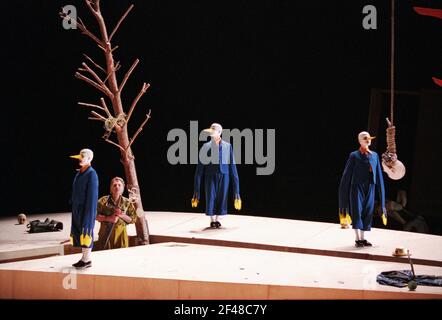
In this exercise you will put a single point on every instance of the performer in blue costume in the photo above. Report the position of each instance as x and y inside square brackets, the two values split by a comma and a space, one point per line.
[217, 164]
[84, 207]
[361, 179]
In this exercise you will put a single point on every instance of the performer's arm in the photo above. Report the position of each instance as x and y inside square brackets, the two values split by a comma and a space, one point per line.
[234, 174]
[90, 209]
[100, 210]
[380, 186]
[344, 186]
[130, 216]
[199, 172]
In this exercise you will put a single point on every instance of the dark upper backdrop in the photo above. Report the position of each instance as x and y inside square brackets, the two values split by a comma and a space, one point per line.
[304, 68]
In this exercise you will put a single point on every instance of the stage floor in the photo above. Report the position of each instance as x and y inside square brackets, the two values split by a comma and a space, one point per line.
[189, 271]
[238, 230]
[248, 258]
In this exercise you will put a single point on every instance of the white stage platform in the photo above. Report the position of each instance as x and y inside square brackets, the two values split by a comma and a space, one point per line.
[248, 258]
[238, 231]
[293, 236]
[189, 271]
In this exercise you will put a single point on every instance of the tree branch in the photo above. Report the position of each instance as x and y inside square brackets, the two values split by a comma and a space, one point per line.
[94, 84]
[134, 103]
[85, 31]
[104, 108]
[98, 119]
[114, 69]
[119, 21]
[93, 62]
[98, 115]
[128, 73]
[89, 105]
[138, 131]
[89, 4]
[116, 144]
[102, 84]
[92, 72]
[103, 103]
[81, 26]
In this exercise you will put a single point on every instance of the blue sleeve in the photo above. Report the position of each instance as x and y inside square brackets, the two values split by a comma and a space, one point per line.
[71, 199]
[199, 172]
[344, 186]
[234, 173]
[380, 183]
[90, 210]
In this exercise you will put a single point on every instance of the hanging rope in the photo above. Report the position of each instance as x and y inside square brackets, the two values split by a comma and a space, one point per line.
[392, 64]
[391, 141]
[392, 166]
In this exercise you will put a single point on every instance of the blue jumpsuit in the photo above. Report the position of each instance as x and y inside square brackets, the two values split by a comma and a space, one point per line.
[361, 179]
[84, 208]
[217, 175]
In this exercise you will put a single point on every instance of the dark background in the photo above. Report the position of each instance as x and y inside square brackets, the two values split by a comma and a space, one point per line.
[304, 68]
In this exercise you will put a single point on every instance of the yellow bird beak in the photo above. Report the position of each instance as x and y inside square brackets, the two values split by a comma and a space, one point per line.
[77, 156]
[371, 138]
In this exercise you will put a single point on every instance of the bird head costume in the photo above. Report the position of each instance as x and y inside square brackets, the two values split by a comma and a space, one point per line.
[214, 131]
[85, 157]
[364, 139]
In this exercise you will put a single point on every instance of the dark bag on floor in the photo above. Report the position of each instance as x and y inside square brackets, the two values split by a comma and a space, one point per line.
[36, 226]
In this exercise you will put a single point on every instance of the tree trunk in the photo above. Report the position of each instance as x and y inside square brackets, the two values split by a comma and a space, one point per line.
[132, 184]
[127, 157]
[113, 92]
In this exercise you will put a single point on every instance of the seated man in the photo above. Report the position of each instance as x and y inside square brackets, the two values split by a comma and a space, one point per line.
[114, 212]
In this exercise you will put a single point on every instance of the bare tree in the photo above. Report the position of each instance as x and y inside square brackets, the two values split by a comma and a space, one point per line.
[116, 121]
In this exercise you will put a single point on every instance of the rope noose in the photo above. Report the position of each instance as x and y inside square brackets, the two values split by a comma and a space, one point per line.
[392, 166]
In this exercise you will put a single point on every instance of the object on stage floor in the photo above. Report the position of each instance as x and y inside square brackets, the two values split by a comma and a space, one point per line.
[400, 252]
[412, 285]
[401, 279]
[48, 225]
[21, 218]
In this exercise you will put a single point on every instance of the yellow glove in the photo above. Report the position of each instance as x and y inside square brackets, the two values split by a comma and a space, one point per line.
[344, 219]
[384, 218]
[237, 204]
[348, 219]
[194, 201]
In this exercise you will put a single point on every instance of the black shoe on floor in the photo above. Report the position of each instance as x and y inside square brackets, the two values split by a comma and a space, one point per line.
[217, 224]
[82, 265]
[76, 264]
[213, 225]
[359, 243]
[365, 243]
